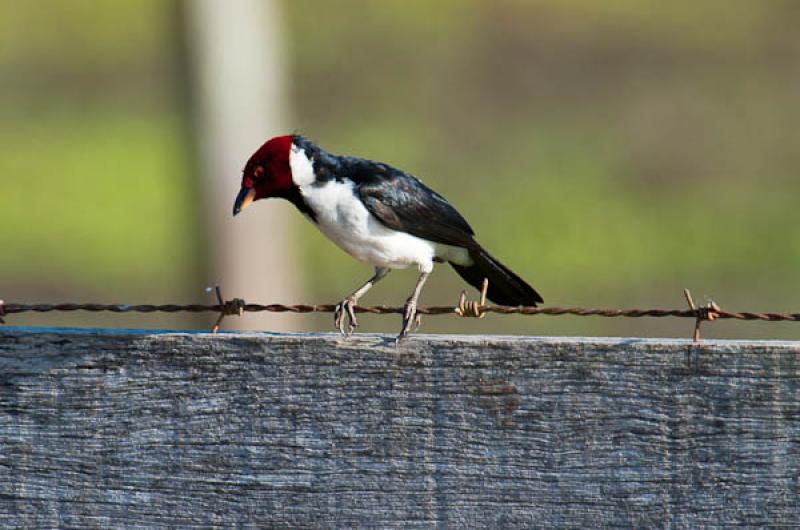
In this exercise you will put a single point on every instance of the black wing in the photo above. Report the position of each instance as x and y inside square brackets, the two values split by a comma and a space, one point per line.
[401, 202]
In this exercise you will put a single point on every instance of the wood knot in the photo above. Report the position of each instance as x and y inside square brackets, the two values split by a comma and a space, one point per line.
[500, 398]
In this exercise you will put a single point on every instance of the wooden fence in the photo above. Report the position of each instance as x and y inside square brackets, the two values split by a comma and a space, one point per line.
[103, 428]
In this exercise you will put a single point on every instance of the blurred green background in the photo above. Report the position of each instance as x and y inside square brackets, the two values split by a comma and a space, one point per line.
[612, 153]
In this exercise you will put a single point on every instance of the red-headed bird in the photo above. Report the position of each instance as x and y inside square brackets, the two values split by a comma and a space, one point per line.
[377, 214]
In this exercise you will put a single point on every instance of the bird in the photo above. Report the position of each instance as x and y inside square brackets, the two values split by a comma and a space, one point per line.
[380, 215]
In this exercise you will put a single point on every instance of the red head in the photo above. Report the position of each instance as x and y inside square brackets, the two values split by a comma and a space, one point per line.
[266, 174]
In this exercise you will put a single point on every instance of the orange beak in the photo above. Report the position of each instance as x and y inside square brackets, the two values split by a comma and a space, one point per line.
[243, 200]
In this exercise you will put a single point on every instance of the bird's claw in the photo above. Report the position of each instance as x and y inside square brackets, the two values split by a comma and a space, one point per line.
[411, 320]
[345, 309]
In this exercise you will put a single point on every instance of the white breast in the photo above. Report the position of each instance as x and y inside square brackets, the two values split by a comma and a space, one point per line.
[344, 219]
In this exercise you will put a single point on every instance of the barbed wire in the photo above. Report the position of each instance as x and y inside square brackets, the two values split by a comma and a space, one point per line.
[464, 308]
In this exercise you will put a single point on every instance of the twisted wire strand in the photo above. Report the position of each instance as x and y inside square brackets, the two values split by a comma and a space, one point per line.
[225, 308]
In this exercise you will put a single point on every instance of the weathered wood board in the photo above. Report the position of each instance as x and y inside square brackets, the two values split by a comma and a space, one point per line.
[102, 428]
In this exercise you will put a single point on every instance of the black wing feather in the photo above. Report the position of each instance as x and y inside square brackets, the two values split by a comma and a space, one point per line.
[401, 202]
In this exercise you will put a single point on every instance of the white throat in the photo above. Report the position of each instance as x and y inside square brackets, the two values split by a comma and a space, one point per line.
[301, 166]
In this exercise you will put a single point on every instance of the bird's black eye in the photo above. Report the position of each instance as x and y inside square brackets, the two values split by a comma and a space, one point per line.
[258, 172]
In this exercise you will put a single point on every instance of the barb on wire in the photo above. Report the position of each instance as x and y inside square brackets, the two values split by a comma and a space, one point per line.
[2, 312]
[709, 312]
[469, 308]
[234, 307]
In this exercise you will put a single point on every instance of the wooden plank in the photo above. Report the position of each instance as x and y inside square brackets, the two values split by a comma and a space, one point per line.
[139, 429]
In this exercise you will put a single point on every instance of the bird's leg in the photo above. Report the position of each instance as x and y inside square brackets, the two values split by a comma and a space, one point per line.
[411, 307]
[345, 307]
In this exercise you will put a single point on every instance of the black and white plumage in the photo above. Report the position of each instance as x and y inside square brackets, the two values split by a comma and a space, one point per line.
[377, 214]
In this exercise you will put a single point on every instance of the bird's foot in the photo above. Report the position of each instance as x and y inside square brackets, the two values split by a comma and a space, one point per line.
[411, 320]
[346, 309]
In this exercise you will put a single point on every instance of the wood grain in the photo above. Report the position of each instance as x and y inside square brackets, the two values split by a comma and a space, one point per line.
[102, 428]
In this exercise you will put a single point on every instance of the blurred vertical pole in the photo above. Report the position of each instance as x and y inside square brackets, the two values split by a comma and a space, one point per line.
[236, 51]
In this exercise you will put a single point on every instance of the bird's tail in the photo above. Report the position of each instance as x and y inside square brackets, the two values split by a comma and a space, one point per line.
[505, 287]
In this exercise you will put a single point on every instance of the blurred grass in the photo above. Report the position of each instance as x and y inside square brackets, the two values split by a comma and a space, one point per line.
[98, 201]
[84, 199]
[612, 153]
